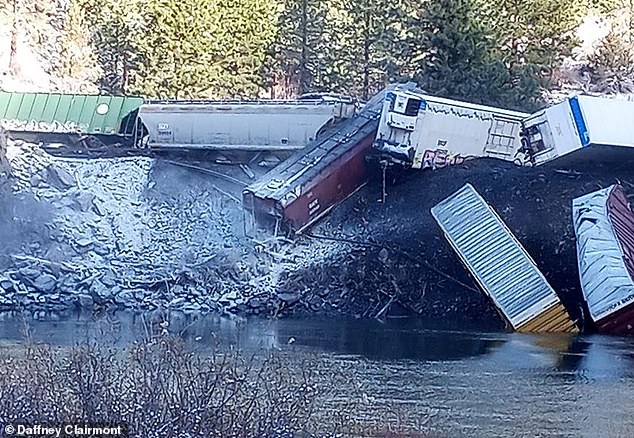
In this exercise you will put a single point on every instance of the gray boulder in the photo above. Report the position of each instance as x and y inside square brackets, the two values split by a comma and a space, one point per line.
[85, 201]
[60, 178]
[45, 282]
[85, 301]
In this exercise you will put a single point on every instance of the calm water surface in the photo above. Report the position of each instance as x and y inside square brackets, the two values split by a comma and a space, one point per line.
[466, 383]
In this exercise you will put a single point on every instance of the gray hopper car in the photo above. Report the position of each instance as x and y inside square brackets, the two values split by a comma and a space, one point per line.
[256, 125]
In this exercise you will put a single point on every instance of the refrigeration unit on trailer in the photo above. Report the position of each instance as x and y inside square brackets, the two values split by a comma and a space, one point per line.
[262, 125]
[575, 123]
[421, 131]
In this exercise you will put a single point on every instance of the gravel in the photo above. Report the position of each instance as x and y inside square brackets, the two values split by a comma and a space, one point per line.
[139, 233]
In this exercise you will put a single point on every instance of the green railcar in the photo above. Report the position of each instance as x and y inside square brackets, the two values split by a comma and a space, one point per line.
[68, 113]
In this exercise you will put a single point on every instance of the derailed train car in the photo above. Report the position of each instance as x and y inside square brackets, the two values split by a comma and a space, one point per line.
[68, 113]
[604, 227]
[579, 122]
[500, 265]
[421, 131]
[309, 184]
[256, 125]
[244, 125]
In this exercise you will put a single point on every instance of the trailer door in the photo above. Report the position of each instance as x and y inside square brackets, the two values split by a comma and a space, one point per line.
[503, 138]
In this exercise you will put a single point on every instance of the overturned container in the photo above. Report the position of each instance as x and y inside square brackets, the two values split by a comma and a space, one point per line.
[500, 264]
[310, 183]
[604, 227]
[579, 122]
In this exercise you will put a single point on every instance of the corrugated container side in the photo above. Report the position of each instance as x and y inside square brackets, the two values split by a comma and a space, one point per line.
[499, 263]
[622, 220]
[554, 319]
[603, 225]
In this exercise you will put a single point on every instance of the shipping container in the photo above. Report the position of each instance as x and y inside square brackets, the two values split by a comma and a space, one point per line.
[576, 123]
[420, 131]
[67, 113]
[604, 227]
[263, 125]
[306, 186]
[500, 264]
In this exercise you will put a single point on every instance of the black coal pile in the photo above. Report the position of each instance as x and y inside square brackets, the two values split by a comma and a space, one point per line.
[397, 259]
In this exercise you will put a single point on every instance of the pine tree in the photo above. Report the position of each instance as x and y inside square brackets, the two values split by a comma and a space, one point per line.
[203, 48]
[117, 31]
[296, 58]
[13, 50]
[454, 54]
[612, 65]
[532, 38]
[77, 64]
[367, 45]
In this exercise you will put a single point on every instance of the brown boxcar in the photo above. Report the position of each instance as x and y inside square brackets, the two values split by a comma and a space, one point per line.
[310, 183]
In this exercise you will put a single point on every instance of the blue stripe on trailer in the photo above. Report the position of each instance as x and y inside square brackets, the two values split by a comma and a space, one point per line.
[582, 129]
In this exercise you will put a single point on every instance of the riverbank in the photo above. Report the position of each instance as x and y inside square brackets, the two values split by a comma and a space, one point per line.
[143, 234]
[365, 378]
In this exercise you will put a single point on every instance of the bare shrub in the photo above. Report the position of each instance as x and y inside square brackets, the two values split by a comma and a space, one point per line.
[161, 387]
[158, 388]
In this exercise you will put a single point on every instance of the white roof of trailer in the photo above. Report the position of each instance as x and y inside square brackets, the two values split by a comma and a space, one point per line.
[466, 105]
[605, 280]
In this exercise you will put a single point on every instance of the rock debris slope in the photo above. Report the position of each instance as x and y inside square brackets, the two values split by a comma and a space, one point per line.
[142, 233]
[131, 232]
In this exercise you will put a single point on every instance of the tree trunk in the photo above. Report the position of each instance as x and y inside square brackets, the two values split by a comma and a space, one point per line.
[13, 58]
[303, 68]
[366, 55]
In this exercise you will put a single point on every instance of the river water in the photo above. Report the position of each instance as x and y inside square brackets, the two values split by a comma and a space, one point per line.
[456, 383]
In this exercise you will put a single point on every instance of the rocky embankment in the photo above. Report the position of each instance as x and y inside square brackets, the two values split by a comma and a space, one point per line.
[4, 164]
[143, 234]
[135, 232]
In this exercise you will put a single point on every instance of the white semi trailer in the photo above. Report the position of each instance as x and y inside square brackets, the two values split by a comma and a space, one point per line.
[575, 123]
[420, 131]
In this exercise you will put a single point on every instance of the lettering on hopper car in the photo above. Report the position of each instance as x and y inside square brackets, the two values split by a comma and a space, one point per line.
[434, 159]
